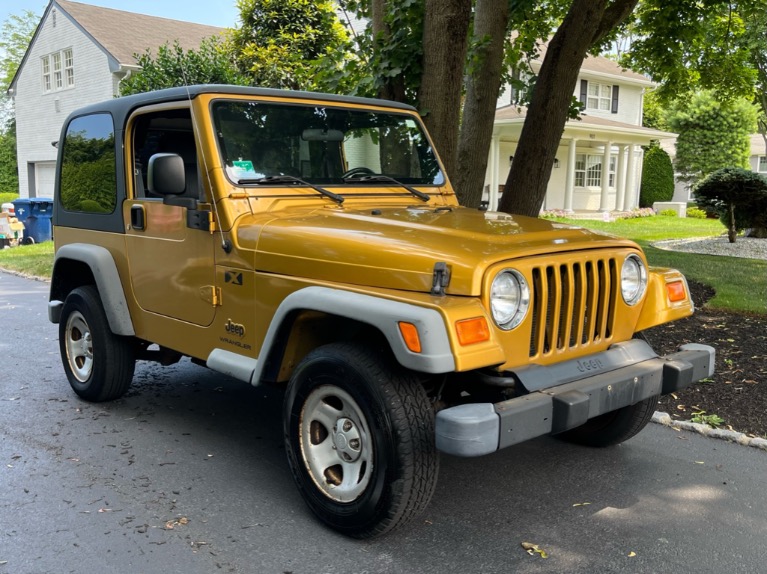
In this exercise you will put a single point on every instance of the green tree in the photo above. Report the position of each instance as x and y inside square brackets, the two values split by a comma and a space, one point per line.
[657, 177]
[172, 66]
[738, 196]
[15, 35]
[9, 173]
[690, 46]
[712, 134]
[292, 44]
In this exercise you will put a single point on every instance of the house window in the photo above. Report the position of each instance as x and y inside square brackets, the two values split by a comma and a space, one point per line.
[69, 68]
[58, 70]
[46, 74]
[58, 79]
[600, 97]
[588, 170]
[762, 165]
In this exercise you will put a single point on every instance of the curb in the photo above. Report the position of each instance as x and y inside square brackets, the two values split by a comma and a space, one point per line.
[728, 435]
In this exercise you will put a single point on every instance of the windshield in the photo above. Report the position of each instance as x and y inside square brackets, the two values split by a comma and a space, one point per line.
[320, 144]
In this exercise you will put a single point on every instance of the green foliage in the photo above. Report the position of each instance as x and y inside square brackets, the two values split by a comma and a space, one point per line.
[668, 213]
[15, 36]
[7, 197]
[296, 44]
[686, 46]
[653, 112]
[657, 177]
[711, 420]
[712, 133]
[172, 66]
[88, 174]
[695, 213]
[737, 195]
[9, 174]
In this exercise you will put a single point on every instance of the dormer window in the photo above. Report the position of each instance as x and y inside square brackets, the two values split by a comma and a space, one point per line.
[598, 96]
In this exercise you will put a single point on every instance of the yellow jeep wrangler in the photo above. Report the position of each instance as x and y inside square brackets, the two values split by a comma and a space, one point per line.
[313, 241]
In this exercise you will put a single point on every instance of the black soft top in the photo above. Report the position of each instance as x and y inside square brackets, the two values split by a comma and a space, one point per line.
[120, 108]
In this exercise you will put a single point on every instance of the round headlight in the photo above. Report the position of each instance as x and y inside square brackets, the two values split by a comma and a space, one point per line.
[633, 279]
[509, 299]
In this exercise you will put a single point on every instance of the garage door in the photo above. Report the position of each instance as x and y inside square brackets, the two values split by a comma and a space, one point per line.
[45, 175]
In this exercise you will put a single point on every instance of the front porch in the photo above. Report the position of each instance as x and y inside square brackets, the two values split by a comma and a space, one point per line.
[598, 165]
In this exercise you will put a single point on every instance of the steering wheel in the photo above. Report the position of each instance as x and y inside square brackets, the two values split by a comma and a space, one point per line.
[358, 172]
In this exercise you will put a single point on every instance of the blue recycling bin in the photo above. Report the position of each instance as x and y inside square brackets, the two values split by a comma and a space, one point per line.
[35, 213]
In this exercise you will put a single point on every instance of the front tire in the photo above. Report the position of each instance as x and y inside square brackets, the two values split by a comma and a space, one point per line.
[359, 435]
[613, 428]
[99, 364]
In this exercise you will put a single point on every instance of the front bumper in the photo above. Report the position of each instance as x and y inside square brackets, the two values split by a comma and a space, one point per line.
[566, 395]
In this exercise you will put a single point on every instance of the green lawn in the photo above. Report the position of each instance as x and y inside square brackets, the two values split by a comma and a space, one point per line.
[36, 260]
[740, 284]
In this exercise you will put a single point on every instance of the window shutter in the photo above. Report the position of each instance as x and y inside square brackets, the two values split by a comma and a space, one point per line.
[584, 91]
[615, 100]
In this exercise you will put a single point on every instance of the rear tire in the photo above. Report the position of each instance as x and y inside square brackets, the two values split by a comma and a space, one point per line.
[99, 364]
[613, 428]
[359, 434]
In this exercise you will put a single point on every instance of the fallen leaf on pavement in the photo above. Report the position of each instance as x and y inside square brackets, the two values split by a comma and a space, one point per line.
[532, 549]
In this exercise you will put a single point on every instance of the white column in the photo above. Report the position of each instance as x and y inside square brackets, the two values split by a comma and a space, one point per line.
[495, 155]
[604, 198]
[631, 200]
[620, 179]
[570, 177]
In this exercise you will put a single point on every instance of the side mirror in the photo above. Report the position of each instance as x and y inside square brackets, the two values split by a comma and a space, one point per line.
[165, 174]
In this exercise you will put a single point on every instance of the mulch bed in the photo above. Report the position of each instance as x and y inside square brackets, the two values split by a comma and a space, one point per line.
[738, 390]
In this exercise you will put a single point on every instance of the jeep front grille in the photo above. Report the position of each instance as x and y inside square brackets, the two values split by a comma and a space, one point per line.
[573, 304]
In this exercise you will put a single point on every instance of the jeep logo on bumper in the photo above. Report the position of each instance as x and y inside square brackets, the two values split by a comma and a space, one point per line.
[588, 365]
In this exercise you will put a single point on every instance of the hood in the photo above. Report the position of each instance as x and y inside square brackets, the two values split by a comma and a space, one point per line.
[397, 248]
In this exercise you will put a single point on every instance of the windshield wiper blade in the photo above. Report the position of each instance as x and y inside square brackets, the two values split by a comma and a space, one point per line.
[276, 179]
[386, 179]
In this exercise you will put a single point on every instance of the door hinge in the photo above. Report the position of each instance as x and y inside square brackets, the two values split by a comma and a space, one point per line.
[204, 220]
[211, 294]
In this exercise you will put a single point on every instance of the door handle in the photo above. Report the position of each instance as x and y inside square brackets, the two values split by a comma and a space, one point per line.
[137, 217]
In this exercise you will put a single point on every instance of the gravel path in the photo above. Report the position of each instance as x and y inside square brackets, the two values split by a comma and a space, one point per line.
[747, 247]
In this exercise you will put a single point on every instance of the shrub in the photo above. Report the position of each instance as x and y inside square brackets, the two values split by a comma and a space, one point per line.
[637, 213]
[738, 196]
[657, 177]
[6, 197]
[668, 213]
[696, 213]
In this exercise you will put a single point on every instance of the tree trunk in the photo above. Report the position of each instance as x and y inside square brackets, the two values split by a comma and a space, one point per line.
[445, 34]
[732, 228]
[586, 23]
[393, 87]
[491, 19]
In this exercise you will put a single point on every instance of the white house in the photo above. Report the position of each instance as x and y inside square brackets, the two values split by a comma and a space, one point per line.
[609, 133]
[78, 55]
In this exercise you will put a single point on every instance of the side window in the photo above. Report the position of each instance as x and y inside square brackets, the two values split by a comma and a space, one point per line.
[88, 180]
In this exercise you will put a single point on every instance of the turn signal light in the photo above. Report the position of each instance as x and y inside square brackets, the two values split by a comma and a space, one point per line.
[472, 330]
[676, 291]
[410, 336]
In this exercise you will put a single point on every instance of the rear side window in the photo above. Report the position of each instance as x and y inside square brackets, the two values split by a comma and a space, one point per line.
[88, 180]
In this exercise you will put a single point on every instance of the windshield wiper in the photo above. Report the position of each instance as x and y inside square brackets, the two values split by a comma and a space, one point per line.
[276, 179]
[386, 179]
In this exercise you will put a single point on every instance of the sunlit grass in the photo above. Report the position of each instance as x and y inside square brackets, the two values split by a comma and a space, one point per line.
[35, 260]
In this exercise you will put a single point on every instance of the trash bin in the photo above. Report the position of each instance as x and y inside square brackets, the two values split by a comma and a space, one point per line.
[35, 213]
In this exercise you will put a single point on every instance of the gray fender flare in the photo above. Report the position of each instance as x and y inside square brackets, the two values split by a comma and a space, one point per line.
[108, 283]
[436, 355]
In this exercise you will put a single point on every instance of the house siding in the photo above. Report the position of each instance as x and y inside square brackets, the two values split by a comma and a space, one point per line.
[629, 101]
[39, 115]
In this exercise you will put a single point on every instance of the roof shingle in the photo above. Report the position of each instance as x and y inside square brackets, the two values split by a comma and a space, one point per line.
[124, 34]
